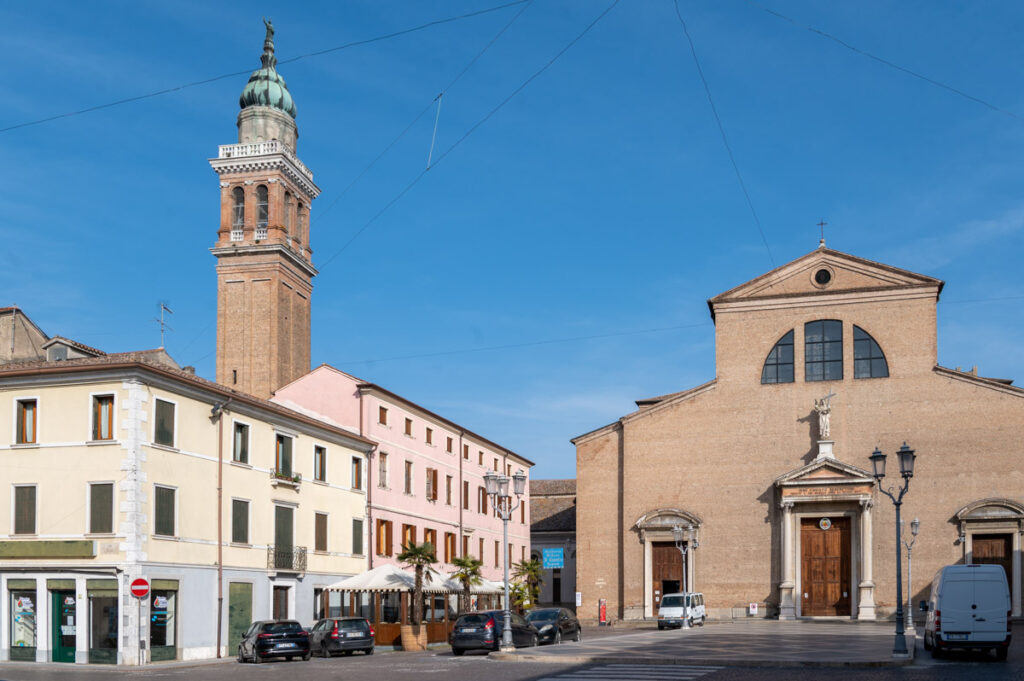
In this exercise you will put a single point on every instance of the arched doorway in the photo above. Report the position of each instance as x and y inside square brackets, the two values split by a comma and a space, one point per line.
[990, 532]
[663, 561]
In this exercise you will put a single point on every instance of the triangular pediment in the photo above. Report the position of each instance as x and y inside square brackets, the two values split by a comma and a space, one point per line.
[841, 274]
[825, 471]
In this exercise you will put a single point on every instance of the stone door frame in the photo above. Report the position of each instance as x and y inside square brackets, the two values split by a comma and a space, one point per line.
[656, 526]
[994, 516]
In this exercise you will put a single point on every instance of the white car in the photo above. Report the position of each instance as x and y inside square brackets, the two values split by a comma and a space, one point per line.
[969, 608]
[677, 609]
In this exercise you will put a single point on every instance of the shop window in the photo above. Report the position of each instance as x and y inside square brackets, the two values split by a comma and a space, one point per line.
[103, 611]
[357, 536]
[239, 521]
[163, 426]
[25, 509]
[778, 367]
[823, 350]
[22, 624]
[163, 624]
[164, 521]
[103, 417]
[868, 358]
[101, 508]
[26, 428]
[240, 450]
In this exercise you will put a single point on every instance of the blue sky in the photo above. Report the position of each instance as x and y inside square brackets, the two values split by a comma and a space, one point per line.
[598, 204]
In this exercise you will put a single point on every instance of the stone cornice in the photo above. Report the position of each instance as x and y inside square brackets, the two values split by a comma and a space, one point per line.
[294, 259]
[848, 297]
[278, 161]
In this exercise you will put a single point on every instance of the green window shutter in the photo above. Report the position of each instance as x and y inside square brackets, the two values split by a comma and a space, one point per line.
[239, 521]
[357, 536]
[25, 510]
[321, 531]
[164, 523]
[163, 430]
[101, 508]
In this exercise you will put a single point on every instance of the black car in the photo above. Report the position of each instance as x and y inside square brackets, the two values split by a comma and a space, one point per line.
[341, 635]
[274, 638]
[555, 625]
[482, 631]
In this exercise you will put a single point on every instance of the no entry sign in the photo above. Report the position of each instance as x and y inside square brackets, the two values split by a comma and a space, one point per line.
[140, 587]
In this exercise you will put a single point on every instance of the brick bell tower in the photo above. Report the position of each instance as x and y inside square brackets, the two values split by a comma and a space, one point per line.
[264, 266]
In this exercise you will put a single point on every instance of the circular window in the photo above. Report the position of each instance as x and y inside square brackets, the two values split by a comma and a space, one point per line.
[822, 277]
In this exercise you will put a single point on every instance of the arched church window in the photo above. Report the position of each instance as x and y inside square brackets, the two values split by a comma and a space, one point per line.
[823, 350]
[778, 368]
[288, 214]
[237, 214]
[262, 212]
[300, 223]
[868, 358]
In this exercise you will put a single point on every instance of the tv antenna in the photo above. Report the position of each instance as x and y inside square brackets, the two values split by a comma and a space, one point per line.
[164, 326]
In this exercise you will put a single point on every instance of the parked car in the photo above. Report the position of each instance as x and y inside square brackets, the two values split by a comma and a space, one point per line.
[969, 607]
[274, 638]
[482, 631]
[675, 609]
[555, 625]
[343, 635]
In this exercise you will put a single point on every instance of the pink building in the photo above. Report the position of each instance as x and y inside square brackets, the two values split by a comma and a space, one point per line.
[426, 479]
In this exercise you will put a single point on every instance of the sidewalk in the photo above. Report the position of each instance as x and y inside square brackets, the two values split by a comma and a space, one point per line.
[760, 643]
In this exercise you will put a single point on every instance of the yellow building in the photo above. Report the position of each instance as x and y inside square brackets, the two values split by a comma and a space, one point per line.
[123, 466]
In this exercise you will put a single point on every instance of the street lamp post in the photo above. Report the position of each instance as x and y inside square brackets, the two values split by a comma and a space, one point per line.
[685, 540]
[915, 527]
[907, 456]
[497, 490]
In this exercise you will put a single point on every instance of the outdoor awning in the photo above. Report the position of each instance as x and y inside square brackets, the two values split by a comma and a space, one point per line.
[391, 578]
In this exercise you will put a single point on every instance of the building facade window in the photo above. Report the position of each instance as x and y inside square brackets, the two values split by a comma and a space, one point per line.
[163, 423]
[382, 416]
[465, 546]
[283, 454]
[240, 446]
[237, 214]
[408, 477]
[449, 546]
[384, 538]
[429, 436]
[448, 490]
[408, 535]
[868, 358]
[522, 512]
[465, 495]
[27, 415]
[823, 350]
[101, 508]
[357, 473]
[465, 452]
[408, 427]
[778, 367]
[431, 484]
[382, 470]
[497, 553]
[262, 212]
[164, 511]
[103, 417]
[239, 521]
[357, 536]
[449, 444]
[319, 463]
[24, 509]
[430, 537]
[320, 532]
[481, 556]
[288, 208]
[481, 500]
[480, 458]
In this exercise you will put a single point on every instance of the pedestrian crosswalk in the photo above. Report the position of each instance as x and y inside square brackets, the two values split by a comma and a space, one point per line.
[640, 672]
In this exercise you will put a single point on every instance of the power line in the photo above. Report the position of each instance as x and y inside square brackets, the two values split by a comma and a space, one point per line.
[528, 344]
[214, 79]
[725, 140]
[886, 62]
[469, 132]
[420, 115]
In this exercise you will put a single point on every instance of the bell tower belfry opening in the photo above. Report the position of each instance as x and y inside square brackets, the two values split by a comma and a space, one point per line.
[264, 262]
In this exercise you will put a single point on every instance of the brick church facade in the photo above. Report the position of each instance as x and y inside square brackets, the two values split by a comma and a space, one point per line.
[784, 509]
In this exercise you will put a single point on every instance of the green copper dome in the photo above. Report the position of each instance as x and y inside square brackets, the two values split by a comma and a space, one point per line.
[266, 87]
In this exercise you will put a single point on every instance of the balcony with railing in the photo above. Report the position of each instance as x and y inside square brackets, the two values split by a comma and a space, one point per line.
[286, 558]
[261, 149]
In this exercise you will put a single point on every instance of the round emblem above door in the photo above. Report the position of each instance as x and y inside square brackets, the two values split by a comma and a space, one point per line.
[825, 523]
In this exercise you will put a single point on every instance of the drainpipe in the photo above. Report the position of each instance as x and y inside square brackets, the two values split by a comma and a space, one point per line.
[371, 549]
[216, 414]
[462, 487]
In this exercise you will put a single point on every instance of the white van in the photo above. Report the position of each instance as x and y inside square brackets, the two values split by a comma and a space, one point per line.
[678, 608]
[969, 608]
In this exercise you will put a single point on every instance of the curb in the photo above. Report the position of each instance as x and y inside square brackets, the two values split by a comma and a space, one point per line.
[696, 661]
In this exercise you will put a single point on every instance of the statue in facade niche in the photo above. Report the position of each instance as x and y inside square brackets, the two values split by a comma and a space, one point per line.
[824, 409]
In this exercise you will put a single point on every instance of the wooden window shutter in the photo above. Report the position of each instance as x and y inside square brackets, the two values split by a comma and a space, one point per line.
[357, 536]
[239, 521]
[25, 510]
[164, 522]
[101, 506]
[390, 539]
[321, 532]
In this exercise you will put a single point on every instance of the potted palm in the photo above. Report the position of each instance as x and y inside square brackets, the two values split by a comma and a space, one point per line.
[420, 557]
[467, 573]
[530, 574]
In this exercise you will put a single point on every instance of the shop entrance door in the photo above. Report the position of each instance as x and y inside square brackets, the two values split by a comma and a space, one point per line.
[63, 630]
[280, 611]
[666, 571]
[825, 566]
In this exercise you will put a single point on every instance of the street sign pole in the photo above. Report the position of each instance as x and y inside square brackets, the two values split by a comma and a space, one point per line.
[140, 589]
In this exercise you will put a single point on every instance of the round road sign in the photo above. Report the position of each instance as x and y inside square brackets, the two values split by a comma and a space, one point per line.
[140, 587]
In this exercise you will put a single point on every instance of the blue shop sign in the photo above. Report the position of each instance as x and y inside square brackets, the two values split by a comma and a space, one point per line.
[553, 558]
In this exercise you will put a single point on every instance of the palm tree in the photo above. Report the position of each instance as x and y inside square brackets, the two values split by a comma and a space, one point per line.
[468, 573]
[420, 557]
[531, 574]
